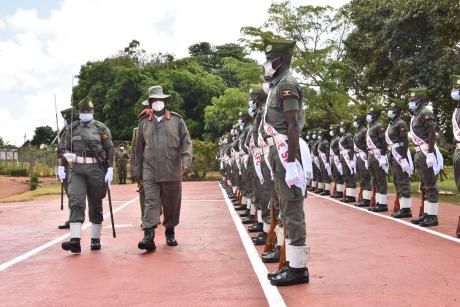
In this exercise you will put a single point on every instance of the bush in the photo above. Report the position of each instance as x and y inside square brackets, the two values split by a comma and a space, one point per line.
[15, 171]
[204, 159]
[33, 183]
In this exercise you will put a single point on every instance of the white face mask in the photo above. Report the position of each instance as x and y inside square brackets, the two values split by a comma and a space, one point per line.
[252, 112]
[342, 130]
[122, 148]
[269, 71]
[355, 124]
[320, 137]
[369, 118]
[331, 133]
[240, 122]
[86, 117]
[266, 87]
[391, 114]
[455, 94]
[314, 136]
[158, 105]
[251, 104]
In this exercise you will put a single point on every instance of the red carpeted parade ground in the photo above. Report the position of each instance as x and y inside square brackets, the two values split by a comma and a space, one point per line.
[357, 258]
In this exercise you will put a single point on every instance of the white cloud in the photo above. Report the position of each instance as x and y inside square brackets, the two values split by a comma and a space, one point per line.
[43, 53]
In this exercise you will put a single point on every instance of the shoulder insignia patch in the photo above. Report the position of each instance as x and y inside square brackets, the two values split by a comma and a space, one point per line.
[287, 93]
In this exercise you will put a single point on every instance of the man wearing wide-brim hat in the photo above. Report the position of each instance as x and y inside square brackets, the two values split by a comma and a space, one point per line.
[163, 155]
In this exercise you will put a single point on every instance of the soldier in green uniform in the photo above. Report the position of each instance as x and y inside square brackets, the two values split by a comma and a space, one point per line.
[323, 152]
[317, 187]
[245, 126]
[455, 94]
[89, 150]
[63, 169]
[400, 161]
[362, 164]
[121, 163]
[163, 155]
[378, 161]
[348, 160]
[284, 119]
[337, 170]
[427, 161]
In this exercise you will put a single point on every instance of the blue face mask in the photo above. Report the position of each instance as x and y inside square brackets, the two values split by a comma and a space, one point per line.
[455, 94]
[413, 105]
[391, 114]
[86, 117]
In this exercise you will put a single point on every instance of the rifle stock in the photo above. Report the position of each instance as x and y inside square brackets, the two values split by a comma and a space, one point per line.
[396, 206]
[270, 244]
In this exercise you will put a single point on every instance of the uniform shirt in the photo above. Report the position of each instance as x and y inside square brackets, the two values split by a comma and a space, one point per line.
[91, 139]
[335, 145]
[162, 149]
[422, 120]
[360, 138]
[314, 148]
[121, 157]
[347, 142]
[324, 147]
[397, 132]
[285, 95]
[256, 123]
[377, 134]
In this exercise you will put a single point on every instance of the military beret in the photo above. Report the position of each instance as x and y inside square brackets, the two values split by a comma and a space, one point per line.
[396, 103]
[334, 127]
[256, 89]
[417, 91]
[345, 123]
[455, 80]
[85, 103]
[360, 117]
[279, 45]
[67, 113]
[375, 110]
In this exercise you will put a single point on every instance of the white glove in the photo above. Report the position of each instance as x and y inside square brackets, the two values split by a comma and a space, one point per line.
[352, 164]
[109, 176]
[292, 175]
[366, 164]
[405, 166]
[61, 172]
[328, 169]
[383, 161]
[430, 158]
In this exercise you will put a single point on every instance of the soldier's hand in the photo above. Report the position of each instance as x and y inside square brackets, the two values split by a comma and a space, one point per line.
[185, 171]
[61, 172]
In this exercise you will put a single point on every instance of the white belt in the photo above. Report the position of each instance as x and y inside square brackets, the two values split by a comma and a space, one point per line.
[265, 150]
[395, 145]
[421, 147]
[270, 141]
[86, 160]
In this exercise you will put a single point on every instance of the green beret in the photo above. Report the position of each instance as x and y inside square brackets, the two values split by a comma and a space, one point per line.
[455, 80]
[345, 123]
[67, 113]
[85, 103]
[417, 91]
[334, 127]
[360, 117]
[396, 103]
[281, 45]
[256, 89]
[376, 110]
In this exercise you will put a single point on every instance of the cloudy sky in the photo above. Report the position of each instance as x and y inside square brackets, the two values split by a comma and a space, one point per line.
[43, 44]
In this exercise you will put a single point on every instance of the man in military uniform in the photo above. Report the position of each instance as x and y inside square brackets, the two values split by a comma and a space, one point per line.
[63, 169]
[89, 152]
[348, 160]
[428, 160]
[400, 159]
[323, 152]
[317, 185]
[121, 163]
[455, 94]
[284, 119]
[163, 156]
[246, 185]
[337, 170]
[362, 163]
[378, 161]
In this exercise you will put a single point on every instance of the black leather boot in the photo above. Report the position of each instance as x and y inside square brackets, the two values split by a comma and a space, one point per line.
[258, 227]
[248, 219]
[245, 213]
[73, 245]
[429, 221]
[66, 225]
[337, 195]
[272, 256]
[379, 208]
[260, 239]
[364, 203]
[291, 276]
[170, 237]
[147, 242]
[326, 193]
[241, 207]
[419, 219]
[402, 213]
[95, 244]
[273, 274]
[349, 199]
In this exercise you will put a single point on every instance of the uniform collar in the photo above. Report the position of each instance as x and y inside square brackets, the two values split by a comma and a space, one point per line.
[88, 124]
[278, 78]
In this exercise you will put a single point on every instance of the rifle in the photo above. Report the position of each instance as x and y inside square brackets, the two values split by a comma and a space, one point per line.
[422, 207]
[270, 244]
[111, 212]
[283, 252]
[374, 191]
[396, 206]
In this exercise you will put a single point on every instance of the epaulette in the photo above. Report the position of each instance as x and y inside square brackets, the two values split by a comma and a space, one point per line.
[177, 114]
[74, 124]
[145, 113]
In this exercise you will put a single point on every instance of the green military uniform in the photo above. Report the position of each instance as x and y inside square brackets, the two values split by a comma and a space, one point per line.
[422, 123]
[348, 160]
[337, 170]
[285, 95]
[91, 142]
[362, 165]
[378, 162]
[121, 163]
[316, 185]
[400, 162]
[325, 166]
[456, 131]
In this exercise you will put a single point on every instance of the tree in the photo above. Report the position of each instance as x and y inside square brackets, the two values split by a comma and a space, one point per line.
[43, 135]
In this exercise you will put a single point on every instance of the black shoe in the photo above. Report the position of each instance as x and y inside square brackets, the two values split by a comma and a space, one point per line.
[73, 245]
[326, 193]
[273, 256]
[402, 213]
[337, 195]
[273, 274]
[318, 191]
[291, 276]
[170, 237]
[349, 199]
[429, 221]
[147, 242]
[258, 227]
[247, 220]
[242, 207]
[95, 244]
[245, 213]
[260, 239]
[458, 234]
[419, 219]
[364, 203]
[66, 225]
[379, 208]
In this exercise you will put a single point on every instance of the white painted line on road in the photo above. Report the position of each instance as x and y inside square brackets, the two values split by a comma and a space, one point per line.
[118, 226]
[435, 233]
[272, 294]
[38, 249]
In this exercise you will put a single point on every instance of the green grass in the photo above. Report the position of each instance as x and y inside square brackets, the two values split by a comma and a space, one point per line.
[45, 190]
